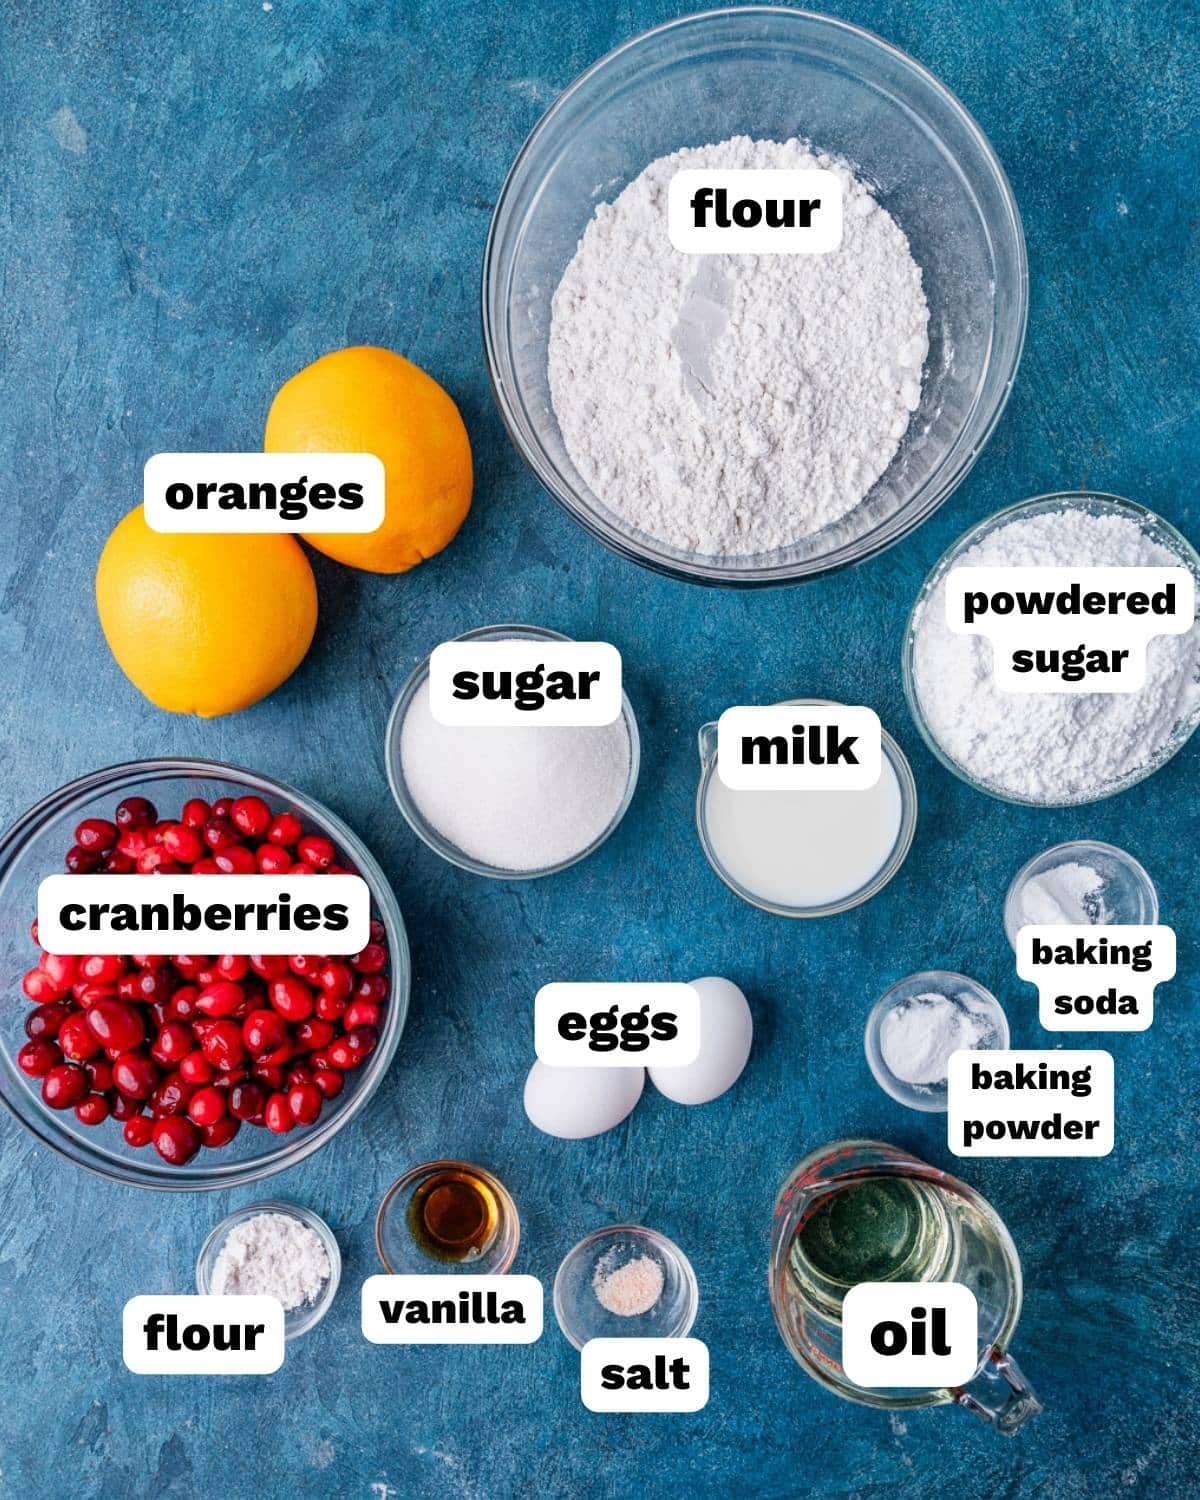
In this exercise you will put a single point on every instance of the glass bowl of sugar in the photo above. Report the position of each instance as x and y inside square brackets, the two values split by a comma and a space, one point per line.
[917, 1024]
[757, 82]
[509, 803]
[625, 1282]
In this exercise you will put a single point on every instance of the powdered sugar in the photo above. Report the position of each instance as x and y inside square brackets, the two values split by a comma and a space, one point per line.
[1051, 747]
[733, 404]
[271, 1255]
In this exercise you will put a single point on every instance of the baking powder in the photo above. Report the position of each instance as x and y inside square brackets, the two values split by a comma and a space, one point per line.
[733, 404]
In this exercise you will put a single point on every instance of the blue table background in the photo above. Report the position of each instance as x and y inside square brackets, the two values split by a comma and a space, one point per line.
[201, 198]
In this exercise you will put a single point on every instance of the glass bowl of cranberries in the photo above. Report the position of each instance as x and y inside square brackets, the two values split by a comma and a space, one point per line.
[190, 1071]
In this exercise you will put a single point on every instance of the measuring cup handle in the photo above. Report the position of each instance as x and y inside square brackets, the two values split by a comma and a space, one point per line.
[1000, 1394]
[707, 740]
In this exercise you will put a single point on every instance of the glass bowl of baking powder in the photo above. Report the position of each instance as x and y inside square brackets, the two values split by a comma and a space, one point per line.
[776, 76]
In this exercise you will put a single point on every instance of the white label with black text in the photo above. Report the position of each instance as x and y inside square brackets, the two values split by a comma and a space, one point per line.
[1069, 630]
[754, 211]
[202, 1335]
[1096, 978]
[910, 1333]
[1055, 1103]
[502, 684]
[251, 493]
[204, 914]
[617, 1025]
[450, 1309]
[790, 747]
[644, 1375]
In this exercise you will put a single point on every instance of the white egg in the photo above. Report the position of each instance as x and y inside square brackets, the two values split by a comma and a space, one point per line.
[576, 1102]
[726, 1032]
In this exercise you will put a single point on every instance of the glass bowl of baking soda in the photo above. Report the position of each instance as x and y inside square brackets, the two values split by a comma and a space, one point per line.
[917, 1024]
[678, 405]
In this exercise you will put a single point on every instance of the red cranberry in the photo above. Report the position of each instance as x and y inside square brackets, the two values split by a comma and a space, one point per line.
[329, 1081]
[92, 1110]
[44, 1022]
[118, 864]
[263, 1031]
[311, 1036]
[317, 851]
[41, 988]
[82, 861]
[222, 1044]
[135, 1074]
[91, 994]
[373, 988]
[206, 1106]
[183, 843]
[170, 1097]
[115, 1024]
[125, 1108]
[304, 1100]
[196, 1068]
[156, 861]
[96, 833]
[64, 1086]
[292, 998]
[247, 1100]
[101, 968]
[272, 859]
[134, 842]
[278, 1115]
[285, 830]
[361, 1013]
[251, 816]
[336, 979]
[371, 959]
[236, 860]
[175, 1139]
[220, 1132]
[271, 1075]
[182, 1004]
[136, 812]
[173, 1044]
[138, 1130]
[76, 1038]
[355, 1047]
[328, 1007]
[35, 1059]
[233, 966]
[219, 833]
[306, 966]
[148, 960]
[100, 1075]
[222, 807]
[269, 965]
[60, 967]
[220, 999]
[196, 812]
[148, 986]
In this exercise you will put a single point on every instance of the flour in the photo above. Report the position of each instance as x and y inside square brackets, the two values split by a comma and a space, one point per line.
[271, 1255]
[1051, 747]
[735, 404]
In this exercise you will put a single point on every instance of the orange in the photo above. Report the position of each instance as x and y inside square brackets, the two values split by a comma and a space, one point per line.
[204, 624]
[368, 400]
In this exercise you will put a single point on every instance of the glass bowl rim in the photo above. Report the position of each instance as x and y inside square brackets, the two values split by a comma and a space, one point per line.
[416, 820]
[1097, 502]
[308, 1314]
[883, 876]
[40, 1123]
[509, 1241]
[850, 554]
[662, 1243]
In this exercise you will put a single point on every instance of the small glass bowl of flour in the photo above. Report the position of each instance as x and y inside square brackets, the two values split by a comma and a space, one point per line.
[1079, 884]
[508, 803]
[916, 1025]
[625, 1282]
[273, 1249]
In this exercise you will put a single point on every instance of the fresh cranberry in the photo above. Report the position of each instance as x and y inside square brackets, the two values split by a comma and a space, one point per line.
[135, 1074]
[115, 1024]
[196, 1068]
[271, 1075]
[76, 1038]
[101, 968]
[136, 812]
[220, 1132]
[306, 966]
[206, 1106]
[336, 979]
[61, 968]
[371, 960]
[220, 999]
[138, 1130]
[236, 860]
[44, 1022]
[354, 1048]
[96, 833]
[272, 859]
[171, 1096]
[134, 842]
[285, 830]
[125, 1108]
[41, 988]
[92, 1110]
[269, 965]
[317, 851]
[233, 966]
[117, 863]
[251, 816]
[329, 1081]
[222, 1044]
[64, 1086]
[175, 1139]
[183, 843]
[100, 1075]
[37, 1058]
[82, 861]
[311, 1036]
[219, 833]
[148, 960]
[263, 1031]
[278, 1115]
[206, 867]
[147, 986]
[247, 1100]
[88, 995]
[304, 1100]
[222, 807]
[173, 1043]
[292, 998]
[182, 1004]
[361, 1013]
[196, 812]
[373, 988]
[156, 861]
[328, 1007]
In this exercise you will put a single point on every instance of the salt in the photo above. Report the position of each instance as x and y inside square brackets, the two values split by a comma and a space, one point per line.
[628, 1290]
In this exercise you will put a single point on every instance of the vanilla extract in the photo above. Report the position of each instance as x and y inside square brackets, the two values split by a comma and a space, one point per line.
[454, 1215]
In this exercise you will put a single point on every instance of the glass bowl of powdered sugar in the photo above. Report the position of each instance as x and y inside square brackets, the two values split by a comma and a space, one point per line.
[753, 419]
[916, 1026]
[1052, 749]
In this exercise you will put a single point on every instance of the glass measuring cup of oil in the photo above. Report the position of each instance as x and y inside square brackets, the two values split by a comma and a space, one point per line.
[858, 1211]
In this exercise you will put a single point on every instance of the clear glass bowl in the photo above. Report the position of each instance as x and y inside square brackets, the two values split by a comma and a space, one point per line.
[417, 821]
[582, 1316]
[969, 994]
[399, 1250]
[908, 827]
[1096, 504]
[296, 1320]
[34, 847]
[1128, 893]
[769, 72]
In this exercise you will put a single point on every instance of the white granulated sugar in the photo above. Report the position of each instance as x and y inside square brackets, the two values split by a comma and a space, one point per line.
[735, 404]
[271, 1255]
[520, 798]
[1051, 746]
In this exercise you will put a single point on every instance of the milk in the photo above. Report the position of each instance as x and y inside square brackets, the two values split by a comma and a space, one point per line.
[803, 849]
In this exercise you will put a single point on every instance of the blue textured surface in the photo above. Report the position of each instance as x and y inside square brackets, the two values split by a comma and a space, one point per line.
[198, 200]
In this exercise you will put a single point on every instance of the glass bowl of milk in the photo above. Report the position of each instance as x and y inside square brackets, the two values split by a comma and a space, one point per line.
[806, 853]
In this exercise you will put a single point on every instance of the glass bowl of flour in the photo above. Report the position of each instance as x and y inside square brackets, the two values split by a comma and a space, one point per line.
[1051, 749]
[753, 419]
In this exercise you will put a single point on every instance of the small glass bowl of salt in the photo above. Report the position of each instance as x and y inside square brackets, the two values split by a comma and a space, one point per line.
[1078, 884]
[915, 1026]
[625, 1282]
[277, 1250]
